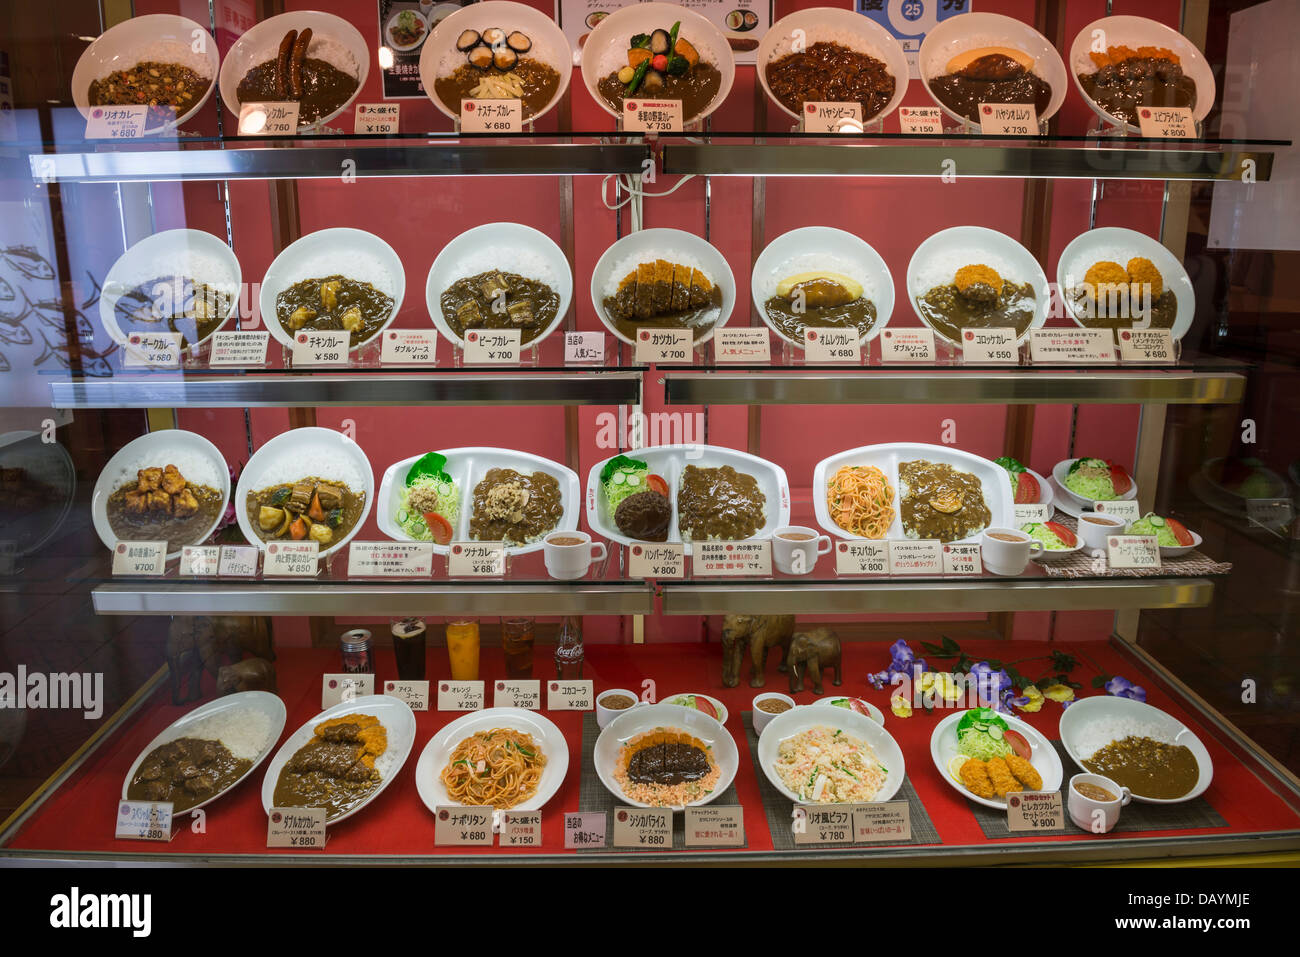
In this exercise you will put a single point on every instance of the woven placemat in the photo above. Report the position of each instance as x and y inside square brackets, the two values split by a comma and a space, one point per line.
[1135, 816]
[780, 809]
[594, 796]
[1083, 565]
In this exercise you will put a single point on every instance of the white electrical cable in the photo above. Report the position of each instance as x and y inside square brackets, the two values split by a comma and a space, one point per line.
[631, 182]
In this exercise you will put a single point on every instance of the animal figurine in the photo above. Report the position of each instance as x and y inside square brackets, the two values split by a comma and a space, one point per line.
[251, 674]
[199, 642]
[760, 633]
[812, 651]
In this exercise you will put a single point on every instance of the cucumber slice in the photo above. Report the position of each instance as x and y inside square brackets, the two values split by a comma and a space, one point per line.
[618, 478]
[1157, 521]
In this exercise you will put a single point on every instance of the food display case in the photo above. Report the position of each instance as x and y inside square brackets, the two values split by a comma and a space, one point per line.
[534, 433]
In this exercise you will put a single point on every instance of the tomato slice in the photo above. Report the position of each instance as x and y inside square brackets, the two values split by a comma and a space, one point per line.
[1063, 533]
[1180, 531]
[656, 483]
[439, 527]
[705, 706]
[1119, 478]
[1027, 490]
[860, 706]
[1018, 743]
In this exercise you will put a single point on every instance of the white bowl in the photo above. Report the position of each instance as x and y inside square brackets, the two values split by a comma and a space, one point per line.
[845, 27]
[1059, 472]
[968, 245]
[156, 449]
[943, 745]
[605, 50]
[1076, 718]
[1138, 32]
[1117, 244]
[50, 464]
[194, 253]
[1178, 551]
[550, 46]
[262, 43]
[634, 721]
[665, 241]
[281, 453]
[796, 720]
[324, 253]
[151, 37]
[823, 247]
[970, 31]
[467, 467]
[392, 22]
[465, 256]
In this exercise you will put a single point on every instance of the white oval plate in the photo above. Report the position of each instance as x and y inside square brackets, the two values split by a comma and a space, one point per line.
[667, 241]
[634, 721]
[1059, 472]
[1076, 718]
[262, 701]
[467, 466]
[966, 245]
[848, 28]
[669, 461]
[303, 445]
[392, 22]
[943, 745]
[886, 457]
[550, 46]
[396, 717]
[459, 257]
[877, 715]
[823, 247]
[153, 450]
[723, 713]
[792, 722]
[436, 754]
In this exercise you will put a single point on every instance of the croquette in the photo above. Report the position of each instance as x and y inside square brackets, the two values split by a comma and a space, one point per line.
[979, 283]
[1141, 271]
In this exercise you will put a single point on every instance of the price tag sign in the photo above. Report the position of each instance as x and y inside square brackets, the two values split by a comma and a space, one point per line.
[325, 347]
[476, 560]
[1147, 346]
[584, 829]
[1272, 513]
[660, 346]
[1167, 122]
[521, 828]
[823, 824]
[1133, 551]
[414, 693]
[239, 349]
[829, 344]
[296, 827]
[492, 347]
[491, 116]
[652, 116]
[1026, 514]
[923, 557]
[750, 346]
[291, 560]
[890, 821]
[140, 558]
[460, 695]
[1127, 509]
[408, 347]
[239, 561]
[989, 347]
[1072, 346]
[920, 119]
[576, 695]
[907, 345]
[644, 827]
[116, 122]
[377, 118]
[1008, 119]
[390, 559]
[1035, 811]
[523, 693]
[862, 558]
[463, 825]
[733, 559]
[713, 826]
[832, 117]
[337, 688]
[153, 350]
[582, 348]
[667, 560]
[143, 821]
[962, 559]
[200, 561]
[269, 119]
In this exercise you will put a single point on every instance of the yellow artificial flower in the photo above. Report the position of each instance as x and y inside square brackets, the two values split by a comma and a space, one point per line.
[900, 706]
[1035, 701]
[1059, 692]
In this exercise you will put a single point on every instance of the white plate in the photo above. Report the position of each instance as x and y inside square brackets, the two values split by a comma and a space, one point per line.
[467, 466]
[943, 745]
[972, 245]
[665, 242]
[1117, 244]
[324, 253]
[436, 754]
[1059, 472]
[1045, 493]
[970, 31]
[789, 723]
[396, 717]
[392, 23]
[723, 714]
[192, 253]
[262, 701]
[605, 49]
[877, 715]
[1137, 32]
[669, 461]
[137, 40]
[634, 721]
[886, 457]
[550, 46]
[465, 256]
[823, 247]
[1076, 718]
[262, 43]
[1178, 551]
[848, 28]
[155, 450]
[1052, 556]
[305, 444]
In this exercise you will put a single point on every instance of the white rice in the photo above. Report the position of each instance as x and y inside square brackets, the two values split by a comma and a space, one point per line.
[295, 461]
[161, 51]
[543, 50]
[521, 261]
[1097, 734]
[630, 262]
[321, 48]
[814, 262]
[1078, 267]
[198, 469]
[354, 264]
[245, 731]
[185, 262]
[940, 268]
[614, 55]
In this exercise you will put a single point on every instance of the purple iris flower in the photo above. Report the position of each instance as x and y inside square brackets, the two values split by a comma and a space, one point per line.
[994, 686]
[901, 661]
[1123, 688]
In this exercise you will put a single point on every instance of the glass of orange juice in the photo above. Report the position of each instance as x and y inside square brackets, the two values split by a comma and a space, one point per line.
[462, 648]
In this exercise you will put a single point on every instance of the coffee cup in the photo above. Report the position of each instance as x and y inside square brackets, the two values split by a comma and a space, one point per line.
[1091, 811]
[570, 554]
[613, 702]
[1006, 551]
[1094, 528]
[796, 548]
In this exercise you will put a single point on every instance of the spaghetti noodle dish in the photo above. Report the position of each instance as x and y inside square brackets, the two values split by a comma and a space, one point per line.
[501, 767]
[861, 500]
[825, 765]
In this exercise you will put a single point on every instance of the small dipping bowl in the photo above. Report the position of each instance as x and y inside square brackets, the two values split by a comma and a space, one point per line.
[761, 717]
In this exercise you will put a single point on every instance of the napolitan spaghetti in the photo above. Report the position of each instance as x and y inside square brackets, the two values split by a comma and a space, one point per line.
[501, 767]
[861, 500]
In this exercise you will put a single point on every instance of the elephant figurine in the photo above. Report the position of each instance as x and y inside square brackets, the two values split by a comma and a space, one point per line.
[812, 651]
[761, 633]
[199, 642]
[251, 674]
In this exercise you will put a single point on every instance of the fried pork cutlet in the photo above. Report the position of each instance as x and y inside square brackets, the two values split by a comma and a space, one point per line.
[976, 778]
[1024, 772]
[1004, 782]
